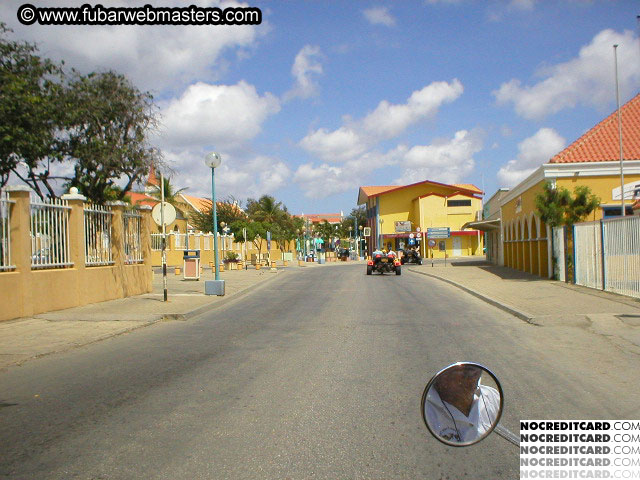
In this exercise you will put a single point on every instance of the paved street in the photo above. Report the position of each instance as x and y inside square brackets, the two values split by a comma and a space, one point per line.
[317, 374]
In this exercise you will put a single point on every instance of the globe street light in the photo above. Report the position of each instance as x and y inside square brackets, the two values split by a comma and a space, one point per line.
[213, 161]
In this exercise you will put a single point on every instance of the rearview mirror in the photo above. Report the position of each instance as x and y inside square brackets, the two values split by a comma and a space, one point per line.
[462, 404]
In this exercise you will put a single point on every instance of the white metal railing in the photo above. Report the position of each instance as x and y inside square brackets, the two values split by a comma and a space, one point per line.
[97, 235]
[49, 233]
[156, 241]
[622, 255]
[180, 241]
[197, 241]
[132, 225]
[5, 237]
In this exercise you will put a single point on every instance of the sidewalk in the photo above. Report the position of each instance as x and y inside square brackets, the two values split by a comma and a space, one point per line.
[26, 338]
[543, 302]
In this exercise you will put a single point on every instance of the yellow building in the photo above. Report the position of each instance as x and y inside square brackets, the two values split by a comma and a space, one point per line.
[592, 160]
[398, 214]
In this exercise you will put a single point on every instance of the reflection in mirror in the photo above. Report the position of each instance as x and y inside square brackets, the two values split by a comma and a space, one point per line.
[462, 404]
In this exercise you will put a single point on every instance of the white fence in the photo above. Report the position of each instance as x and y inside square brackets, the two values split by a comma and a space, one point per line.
[49, 233]
[607, 255]
[5, 238]
[132, 225]
[558, 236]
[97, 235]
[197, 241]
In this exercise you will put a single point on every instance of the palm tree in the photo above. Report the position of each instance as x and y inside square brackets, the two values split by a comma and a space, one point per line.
[266, 209]
[170, 194]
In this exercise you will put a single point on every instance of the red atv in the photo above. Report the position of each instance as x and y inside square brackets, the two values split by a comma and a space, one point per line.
[383, 263]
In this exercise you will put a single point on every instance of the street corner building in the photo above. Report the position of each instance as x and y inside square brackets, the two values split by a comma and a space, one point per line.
[593, 160]
[400, 216]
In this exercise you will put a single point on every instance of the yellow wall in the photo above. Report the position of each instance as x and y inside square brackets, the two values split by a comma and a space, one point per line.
[525, 248]
[600, 186]
[25, 292]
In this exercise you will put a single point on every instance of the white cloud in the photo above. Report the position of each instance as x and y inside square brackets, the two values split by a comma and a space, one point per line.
[385, 122]
[586, 79]
[446, 161]
[379, 16]
[325, 180]
[532, 152]
[305, 66]
[523, 5]
[223, 116]
[153, 57]
[239, 175]
[337, 146]
[389, 120]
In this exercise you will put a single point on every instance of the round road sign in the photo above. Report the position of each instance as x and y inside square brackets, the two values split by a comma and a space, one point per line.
[411, 235]
[419, 235]
[417, 229]
[169, 213]
[432, 243]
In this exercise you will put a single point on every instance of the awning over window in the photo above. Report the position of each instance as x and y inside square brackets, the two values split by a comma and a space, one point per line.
[483, 225]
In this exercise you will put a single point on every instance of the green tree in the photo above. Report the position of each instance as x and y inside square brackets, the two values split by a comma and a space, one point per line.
[265, 209]
[30, 114]
[108, 121]
[227, 211]
[256, 232]
[170, 193]
[556, 206]
[327, 232]
[286, 230]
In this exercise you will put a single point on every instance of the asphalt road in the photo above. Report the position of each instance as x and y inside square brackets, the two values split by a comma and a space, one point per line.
[318, 374]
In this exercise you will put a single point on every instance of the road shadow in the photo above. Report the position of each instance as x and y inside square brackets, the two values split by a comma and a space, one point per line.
[503, 273]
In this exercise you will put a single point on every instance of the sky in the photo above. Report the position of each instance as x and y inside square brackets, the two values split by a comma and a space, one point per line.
[324, 97]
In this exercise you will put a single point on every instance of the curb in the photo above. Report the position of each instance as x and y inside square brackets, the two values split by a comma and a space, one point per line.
[502, 306]
[161, 317]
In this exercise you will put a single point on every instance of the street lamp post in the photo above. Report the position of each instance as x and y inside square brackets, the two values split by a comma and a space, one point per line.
[213, 161]
[360, 227]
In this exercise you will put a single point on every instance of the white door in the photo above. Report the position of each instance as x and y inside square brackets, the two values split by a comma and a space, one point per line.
[457, 246]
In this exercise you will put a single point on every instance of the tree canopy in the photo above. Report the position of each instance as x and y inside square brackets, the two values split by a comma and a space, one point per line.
[96, 126]
[556, 206]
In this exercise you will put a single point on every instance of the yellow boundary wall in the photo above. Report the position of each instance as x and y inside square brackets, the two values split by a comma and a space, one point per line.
[25, 292]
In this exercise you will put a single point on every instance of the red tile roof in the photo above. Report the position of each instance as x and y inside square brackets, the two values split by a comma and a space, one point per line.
[321, 217]
[142, 199]
[199, 203]
[601, 143]
[373, 191]
[152, 179]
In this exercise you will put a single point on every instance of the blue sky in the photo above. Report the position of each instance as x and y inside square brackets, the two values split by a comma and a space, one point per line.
[325, 97]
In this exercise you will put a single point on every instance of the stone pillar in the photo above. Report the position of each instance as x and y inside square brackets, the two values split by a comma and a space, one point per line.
[145, 239]
[77, 243]
[117, 244]
[20, 235]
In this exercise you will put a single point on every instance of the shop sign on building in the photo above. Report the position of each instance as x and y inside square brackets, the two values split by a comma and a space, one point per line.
[404, 226]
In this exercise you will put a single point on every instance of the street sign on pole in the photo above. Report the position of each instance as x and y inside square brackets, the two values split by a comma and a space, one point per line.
[438, 232]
